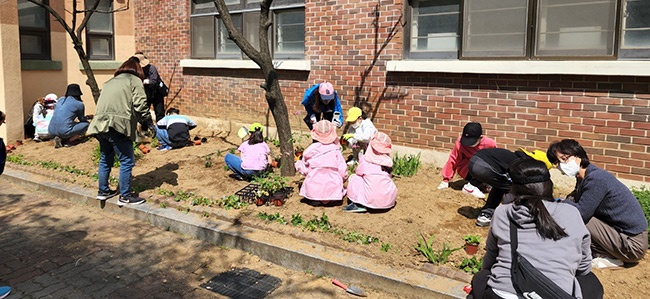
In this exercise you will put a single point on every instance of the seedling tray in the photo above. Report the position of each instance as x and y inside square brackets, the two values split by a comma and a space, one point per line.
[248, 193]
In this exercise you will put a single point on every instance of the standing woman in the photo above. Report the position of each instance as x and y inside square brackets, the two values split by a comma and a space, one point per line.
[151, 85]
[121, 105]
[549, 234]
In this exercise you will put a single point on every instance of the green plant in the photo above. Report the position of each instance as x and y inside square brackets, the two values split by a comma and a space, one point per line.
[232, 202]
[472, 239]
[97, 154]
[270, 183]
[406, 165]
[206, 214]
[471, 266]
[296, 220]
[163, 205]
[18, 159]
[272, 217]
[357, 237]
[208, 162]
[643, 196]
[385, 247]
[434, 256]
[232, 150]
[154, 143]
[219, 153]
[164, 192]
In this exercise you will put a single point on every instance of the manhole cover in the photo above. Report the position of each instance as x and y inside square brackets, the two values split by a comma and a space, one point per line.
[242, 283]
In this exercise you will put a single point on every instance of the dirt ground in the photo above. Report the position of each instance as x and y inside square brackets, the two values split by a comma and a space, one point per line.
[421, 209]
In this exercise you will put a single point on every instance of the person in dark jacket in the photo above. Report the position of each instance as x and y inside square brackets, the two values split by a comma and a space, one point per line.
[490, 166]
[614, 217]
[174, 130]
[63, 126]
[152, 83]
[3, 150]
[550, 236]
[322, 103]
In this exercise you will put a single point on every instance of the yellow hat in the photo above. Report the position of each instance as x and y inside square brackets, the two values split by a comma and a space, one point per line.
[539, 156]
[256, 126]
[353, 114]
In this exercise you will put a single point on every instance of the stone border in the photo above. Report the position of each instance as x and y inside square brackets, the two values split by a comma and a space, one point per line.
[316, 258]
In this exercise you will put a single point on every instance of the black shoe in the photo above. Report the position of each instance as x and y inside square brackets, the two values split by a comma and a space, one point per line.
[101, 195]
[354, 208]
[130, 199]
[57, 142]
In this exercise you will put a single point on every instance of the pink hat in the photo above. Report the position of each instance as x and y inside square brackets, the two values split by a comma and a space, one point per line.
[379, 149]
[324, 132]
[326, 91]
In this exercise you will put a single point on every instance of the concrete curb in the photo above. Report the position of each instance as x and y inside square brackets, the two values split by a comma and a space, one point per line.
[356, 269]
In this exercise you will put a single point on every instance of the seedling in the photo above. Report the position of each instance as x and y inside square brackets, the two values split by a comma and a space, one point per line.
[472, 239]
[232, 202]
[385, 247]
[471, 266]
[434, 256]
[406, 165]
[270, 183]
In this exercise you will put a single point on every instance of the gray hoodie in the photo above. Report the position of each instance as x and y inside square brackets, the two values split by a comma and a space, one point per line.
[560, 260]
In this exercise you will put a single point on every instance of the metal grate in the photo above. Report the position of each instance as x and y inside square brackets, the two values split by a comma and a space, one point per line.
[242, 283]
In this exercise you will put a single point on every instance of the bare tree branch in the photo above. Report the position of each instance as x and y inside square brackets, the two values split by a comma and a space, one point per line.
[234, 34]
[87, 16]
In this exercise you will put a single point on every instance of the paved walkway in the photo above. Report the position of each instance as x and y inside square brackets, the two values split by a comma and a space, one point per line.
[53, 248]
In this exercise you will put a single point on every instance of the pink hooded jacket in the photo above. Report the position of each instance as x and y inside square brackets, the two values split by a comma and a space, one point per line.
[372, 187]
[325, 170]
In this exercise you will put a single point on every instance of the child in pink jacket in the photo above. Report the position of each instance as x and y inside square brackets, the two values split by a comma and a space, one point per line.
[372, 186]
[323, 165]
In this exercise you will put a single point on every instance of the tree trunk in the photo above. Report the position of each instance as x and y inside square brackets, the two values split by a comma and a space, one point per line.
[91, 81]
[278, 108]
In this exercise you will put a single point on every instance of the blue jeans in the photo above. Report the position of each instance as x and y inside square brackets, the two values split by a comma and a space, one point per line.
[78, 128]
[163, 137]
[110, 144]
[234, 163]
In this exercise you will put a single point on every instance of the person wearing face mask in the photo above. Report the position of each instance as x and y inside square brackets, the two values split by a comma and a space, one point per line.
[322, 103]
[613, 216]
[471, 141]
[360, 131]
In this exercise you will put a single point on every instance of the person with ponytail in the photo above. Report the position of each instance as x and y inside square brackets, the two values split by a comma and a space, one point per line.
[550, 235]
[254, 156]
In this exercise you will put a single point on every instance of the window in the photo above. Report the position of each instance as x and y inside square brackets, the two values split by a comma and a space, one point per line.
[635, 29]
[434, 30]
[99, 32]
[210, 38]
[34, 27]
[527, 29]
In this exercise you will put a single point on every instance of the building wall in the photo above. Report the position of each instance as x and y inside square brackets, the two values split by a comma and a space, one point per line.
[607, 114]
[38, 83]
[9, 75]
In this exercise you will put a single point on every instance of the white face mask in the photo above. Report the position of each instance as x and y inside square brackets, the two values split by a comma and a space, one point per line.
[356, 125]
[570, 167]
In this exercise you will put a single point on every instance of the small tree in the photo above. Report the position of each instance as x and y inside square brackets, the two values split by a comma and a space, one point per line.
[75, 32]
[271, 84]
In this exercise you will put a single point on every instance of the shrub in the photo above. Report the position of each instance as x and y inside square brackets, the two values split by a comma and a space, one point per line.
[406, 165]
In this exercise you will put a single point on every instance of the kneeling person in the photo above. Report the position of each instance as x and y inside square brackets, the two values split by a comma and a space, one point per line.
[174, 130]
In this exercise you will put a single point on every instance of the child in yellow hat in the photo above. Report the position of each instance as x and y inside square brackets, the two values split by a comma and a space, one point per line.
[360, 132]
[254, 155]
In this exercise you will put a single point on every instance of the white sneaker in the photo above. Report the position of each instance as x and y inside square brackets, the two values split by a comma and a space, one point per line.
[352, 162]
[606, 263]
[470, 189]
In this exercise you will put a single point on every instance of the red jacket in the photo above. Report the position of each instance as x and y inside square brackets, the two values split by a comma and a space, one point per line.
[459, 158]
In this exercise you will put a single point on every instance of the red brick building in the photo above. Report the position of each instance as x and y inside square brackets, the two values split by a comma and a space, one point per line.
[530, 73]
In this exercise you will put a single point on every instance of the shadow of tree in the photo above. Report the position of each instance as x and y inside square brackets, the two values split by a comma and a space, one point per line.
[156, 177]
[469, 212]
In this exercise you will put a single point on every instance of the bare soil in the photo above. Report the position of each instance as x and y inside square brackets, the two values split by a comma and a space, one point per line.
[421, 209]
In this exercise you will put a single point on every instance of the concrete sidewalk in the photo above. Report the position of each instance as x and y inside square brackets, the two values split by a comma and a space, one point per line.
[307, 256]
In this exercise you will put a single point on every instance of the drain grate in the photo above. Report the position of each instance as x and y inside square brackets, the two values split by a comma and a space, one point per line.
[242, 283]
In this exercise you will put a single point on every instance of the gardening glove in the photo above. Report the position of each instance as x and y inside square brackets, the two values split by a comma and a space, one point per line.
[146, 81]
[347, 136]
[443, 185]
[312, 118]
[337, 122]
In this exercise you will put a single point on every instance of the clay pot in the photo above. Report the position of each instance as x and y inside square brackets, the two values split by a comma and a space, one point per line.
[260, 201]
[143, 148]
[278, 202]
[471, 249]
[274, 163]
[197, 142]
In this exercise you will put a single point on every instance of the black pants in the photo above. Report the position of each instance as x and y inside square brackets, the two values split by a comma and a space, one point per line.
[481, 171]
[158, 107]
[590, 285]
[319, 116]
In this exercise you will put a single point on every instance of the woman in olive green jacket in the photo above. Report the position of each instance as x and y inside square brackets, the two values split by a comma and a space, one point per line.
[121, 105]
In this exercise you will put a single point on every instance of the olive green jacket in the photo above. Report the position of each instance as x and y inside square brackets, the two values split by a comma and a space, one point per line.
[121, 105]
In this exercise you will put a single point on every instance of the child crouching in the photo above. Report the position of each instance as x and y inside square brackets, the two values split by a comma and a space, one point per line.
[323, 165]
[254, 156]
[372, 185]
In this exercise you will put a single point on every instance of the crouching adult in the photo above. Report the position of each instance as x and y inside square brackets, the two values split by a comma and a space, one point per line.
[547, 234]
[614, 217]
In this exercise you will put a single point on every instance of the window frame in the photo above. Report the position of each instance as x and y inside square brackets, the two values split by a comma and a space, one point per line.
[532, 32]
[108, 35]
[40, 32]
[242, 8]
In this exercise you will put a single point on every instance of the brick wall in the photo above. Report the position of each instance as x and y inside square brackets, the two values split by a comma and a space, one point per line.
[607, 115]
